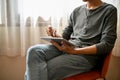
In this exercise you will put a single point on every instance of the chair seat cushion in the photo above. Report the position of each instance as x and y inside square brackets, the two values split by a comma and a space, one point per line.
[91, 75]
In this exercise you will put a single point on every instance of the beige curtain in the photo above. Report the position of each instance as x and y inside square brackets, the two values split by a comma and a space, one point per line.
[23, 22]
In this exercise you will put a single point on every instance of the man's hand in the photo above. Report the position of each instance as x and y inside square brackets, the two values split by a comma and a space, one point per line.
[64, 47]
[52, 31]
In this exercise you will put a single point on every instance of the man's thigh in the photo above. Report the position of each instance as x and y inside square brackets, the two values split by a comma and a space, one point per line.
[44, 51]
[66, 65]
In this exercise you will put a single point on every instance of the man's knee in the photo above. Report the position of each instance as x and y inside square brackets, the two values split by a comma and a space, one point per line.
[35, 54]
[30, 56]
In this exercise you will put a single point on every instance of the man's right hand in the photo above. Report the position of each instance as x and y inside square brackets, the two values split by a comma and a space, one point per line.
[51, 31]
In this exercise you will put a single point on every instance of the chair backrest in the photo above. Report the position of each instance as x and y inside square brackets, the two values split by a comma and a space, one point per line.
[106, 65]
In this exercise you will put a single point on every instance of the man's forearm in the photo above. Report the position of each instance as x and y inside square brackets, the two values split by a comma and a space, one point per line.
[86, 50]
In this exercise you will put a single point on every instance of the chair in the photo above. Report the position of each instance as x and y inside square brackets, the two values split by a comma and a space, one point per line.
[94, 74]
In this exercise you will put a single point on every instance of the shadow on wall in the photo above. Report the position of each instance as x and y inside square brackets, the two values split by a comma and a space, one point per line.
[114, 69]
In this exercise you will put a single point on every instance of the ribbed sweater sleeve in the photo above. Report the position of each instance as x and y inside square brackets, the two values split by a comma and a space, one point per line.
[109, 34]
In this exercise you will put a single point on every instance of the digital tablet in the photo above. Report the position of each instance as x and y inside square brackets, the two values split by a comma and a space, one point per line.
[56, 39]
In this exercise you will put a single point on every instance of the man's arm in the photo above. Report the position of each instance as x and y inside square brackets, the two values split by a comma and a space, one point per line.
[71, 50]
[86, 50]
[109, 33]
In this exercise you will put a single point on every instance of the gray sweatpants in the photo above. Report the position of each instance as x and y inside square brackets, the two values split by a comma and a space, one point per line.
[46, 62]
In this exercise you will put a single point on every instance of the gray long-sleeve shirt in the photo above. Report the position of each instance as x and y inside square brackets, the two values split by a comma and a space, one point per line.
[88, 27]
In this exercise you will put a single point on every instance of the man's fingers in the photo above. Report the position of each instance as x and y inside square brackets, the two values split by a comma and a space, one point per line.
[64, 43]
[56, 45]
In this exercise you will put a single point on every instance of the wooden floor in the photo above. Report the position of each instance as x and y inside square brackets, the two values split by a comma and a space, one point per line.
[13, 68]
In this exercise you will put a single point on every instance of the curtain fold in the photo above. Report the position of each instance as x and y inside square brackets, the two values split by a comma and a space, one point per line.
[23, 22]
